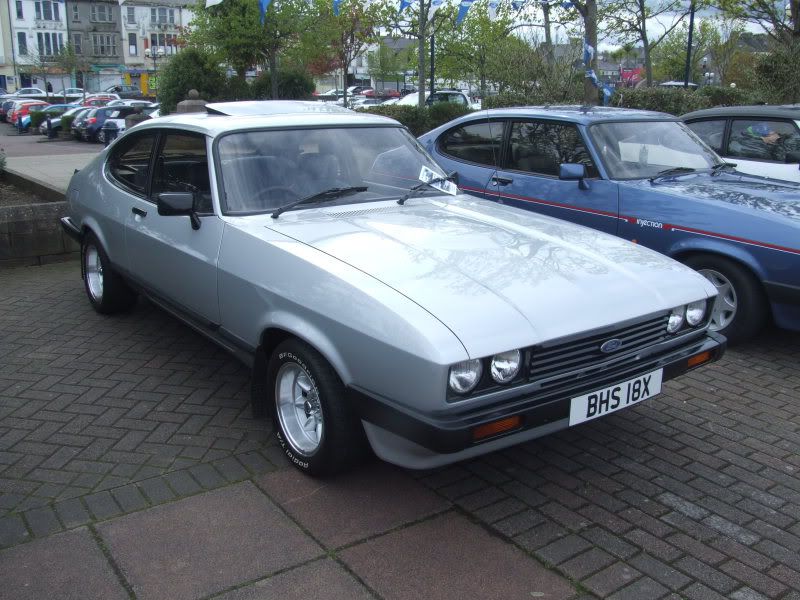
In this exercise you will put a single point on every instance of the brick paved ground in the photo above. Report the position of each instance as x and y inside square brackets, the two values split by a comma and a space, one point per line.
[695, 494]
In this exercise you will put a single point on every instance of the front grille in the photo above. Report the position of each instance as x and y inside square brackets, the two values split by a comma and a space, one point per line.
[557, 363]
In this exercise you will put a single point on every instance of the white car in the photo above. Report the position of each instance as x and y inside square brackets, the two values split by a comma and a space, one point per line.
[131, 102]
[451, 96]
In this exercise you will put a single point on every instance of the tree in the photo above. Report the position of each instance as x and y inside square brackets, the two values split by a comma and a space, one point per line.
[629, 20]
[190, 69]
[41, 65]
[669, 58]
[71, 62]
[587, 9]
[723, 47]
[386, 62]
[779, 19]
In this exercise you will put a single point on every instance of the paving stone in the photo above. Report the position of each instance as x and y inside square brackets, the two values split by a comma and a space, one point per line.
[67, 565]
[562, 549]
[660, 571]
[458, 560]
[42, 521]
[611, 579]
[129, 498]
[319, 579]
[194, 547]
[354, 506]
[642, 588]
[587, 563]
[706, 574]
[183, 483]
[72, 513]
[12, 531]
[756, 580]
[102, 505]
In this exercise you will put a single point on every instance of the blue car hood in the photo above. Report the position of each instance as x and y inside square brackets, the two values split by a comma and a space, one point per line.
[781, 198]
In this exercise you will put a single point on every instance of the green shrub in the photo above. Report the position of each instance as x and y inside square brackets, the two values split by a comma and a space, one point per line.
[236, 88]
[293, 84]
[506, 99]
[37, 118]
[66, 122]
[442, 112]
[728, 96]
[675, 101]
[419, 120]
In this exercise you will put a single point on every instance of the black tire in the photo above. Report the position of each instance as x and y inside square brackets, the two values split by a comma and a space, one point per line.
[101, 136]
[340, 443]
[107, 291]
[740, 310]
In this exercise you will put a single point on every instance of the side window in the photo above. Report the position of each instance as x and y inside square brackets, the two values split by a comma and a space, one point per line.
[182, 166]
[763, 140]
[129, 163]
[711, 131]
[541, 146]
[474, 142]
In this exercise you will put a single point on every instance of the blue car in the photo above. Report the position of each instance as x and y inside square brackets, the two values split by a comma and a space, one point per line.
[646, 177]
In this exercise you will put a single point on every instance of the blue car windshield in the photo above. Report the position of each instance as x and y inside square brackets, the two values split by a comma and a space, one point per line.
[642, 149]
[263, 170]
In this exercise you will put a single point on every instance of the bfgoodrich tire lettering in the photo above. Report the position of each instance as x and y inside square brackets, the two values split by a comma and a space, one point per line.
[107, 291]
[740, 309]
[316, 428]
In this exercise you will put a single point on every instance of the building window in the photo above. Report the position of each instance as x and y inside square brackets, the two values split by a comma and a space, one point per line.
[19, 9]
[104, 44]
[167, 41]
[101, 13]
[133, 46]
[75, 15]
[22, 43]
[162, 16]
[46, 11]
[50, 44]
[131, 16]
[77, 43]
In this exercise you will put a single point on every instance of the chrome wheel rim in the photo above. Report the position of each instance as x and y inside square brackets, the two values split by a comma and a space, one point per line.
[725, 305]
[93, 271]
[101, 137]
[299, 409]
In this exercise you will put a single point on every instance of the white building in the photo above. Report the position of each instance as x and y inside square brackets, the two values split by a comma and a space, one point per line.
[39, 32]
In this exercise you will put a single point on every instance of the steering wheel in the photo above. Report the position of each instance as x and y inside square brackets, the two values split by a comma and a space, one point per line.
[265, 195]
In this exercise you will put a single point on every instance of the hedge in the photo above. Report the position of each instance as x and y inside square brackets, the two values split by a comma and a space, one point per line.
[420, 120]
[37, 118]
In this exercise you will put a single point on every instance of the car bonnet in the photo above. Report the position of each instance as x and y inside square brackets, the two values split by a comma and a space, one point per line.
[496, 276]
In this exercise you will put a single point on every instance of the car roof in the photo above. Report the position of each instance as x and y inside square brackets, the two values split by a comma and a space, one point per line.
[759, 111]
[224, 117]
[585, 115]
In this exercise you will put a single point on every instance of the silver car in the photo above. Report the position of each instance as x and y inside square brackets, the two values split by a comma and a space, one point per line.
[375, 304]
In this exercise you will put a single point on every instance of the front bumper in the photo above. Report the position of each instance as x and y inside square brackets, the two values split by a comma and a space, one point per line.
[71, 229]
[540, 413]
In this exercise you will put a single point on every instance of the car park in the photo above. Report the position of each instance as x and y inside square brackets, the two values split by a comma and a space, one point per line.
[760, 140]
[374, 303]
[55, 122]
[646, 177]
[91, 128]
[21, 108]
[54, 112]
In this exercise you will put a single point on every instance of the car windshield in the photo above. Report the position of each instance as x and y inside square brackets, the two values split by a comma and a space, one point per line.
[264, 170]
[641, 149]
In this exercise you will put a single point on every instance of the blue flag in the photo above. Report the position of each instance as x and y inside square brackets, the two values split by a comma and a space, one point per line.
[263, 5]
[567, 5]
[516, 5]
[463, 9]
[404, 4]
[336, 4]
[588, 53]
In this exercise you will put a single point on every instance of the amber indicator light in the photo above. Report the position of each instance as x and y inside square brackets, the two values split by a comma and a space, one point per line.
[495, 427]
[699, 359]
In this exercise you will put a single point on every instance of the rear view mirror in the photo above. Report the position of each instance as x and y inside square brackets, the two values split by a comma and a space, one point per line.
[177, 204]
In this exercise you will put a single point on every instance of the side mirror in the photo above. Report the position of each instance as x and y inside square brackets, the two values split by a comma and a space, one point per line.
[574, 172]
[178, 204]
[792, 157]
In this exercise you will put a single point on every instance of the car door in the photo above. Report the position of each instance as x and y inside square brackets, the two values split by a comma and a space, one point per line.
[166, 254]
[528, 176]
[767, 147]
[472, 150]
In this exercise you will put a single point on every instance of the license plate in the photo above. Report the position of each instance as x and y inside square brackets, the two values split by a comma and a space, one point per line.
[615, 397]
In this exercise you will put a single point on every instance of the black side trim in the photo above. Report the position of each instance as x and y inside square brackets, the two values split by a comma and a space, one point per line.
[71, 229]
[782, 293]
[452, 433]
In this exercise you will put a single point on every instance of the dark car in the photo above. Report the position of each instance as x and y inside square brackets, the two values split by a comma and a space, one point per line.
[125, 91]
[646, 177]
[91, 127]
[77, 122]
[5, 108]
[761, 140]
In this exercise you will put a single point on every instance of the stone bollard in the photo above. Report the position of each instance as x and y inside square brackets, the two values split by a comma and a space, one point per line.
[192, 104]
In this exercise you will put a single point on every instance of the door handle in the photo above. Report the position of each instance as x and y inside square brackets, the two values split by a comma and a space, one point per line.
[139, 212]
[497, 180]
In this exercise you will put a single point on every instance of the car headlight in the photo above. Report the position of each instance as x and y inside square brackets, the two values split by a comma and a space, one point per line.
[675, 319]
[505, 366]
[464, 376]
[695, 313]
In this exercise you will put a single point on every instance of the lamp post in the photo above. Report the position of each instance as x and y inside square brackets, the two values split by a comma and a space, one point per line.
[155, 54]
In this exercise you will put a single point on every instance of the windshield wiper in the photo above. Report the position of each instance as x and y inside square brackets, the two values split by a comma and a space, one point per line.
[718, 168]
[672, 171]
[326, 195]
[412, 191]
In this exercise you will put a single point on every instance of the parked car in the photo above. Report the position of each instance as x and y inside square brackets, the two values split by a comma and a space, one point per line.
[78, 121]
[124, 91]
[21, 108]
[55, 122]
[327, 252]
[54, 111]
[91, 128]
[451, 96]
[97, 100]
[646, 177]
[761, 140]
[25, 92]
[130, 102]
[47, 109]
[72, 92]
[5, 108]
[333, 94]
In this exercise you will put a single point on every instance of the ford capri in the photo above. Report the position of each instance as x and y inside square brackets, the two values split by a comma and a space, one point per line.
[646, 177]
[377, 306]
